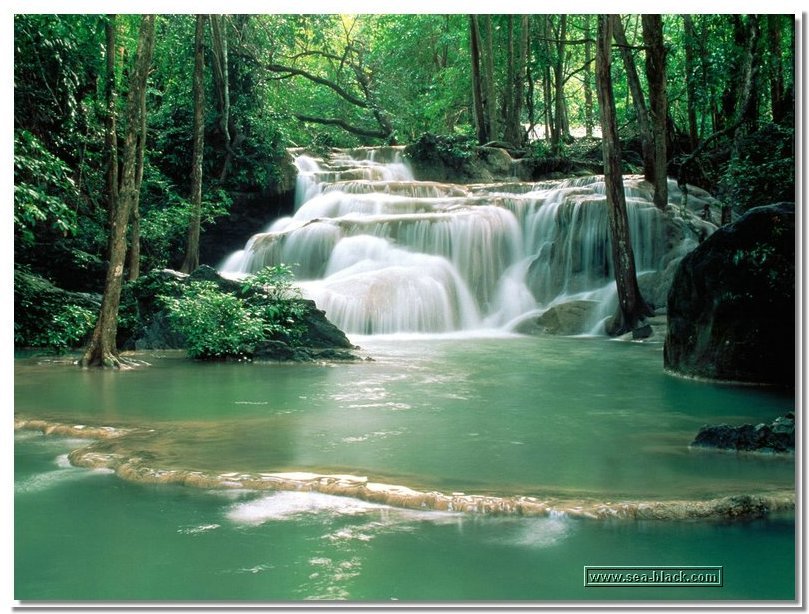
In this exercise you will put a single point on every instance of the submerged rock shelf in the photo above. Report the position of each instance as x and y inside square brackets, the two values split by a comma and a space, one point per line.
[139, 468]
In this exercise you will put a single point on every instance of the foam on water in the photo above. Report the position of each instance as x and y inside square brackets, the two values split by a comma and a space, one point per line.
[289, 505]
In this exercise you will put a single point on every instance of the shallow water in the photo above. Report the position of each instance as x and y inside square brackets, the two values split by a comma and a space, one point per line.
[577, 418]
[84, 535]
[494, 415]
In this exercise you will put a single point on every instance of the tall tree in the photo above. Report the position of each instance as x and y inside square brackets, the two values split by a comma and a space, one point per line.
[632, 309]
[513, 132]
[191, 261]
[689, 42]
[111, 120]
[776, 66]
[134, 238]
[658, 103]
[548, 111]
[221, 73]
[490, 97]
[638, 100]
[481, 118]
[562, 131]
[588, 76]
[102, 349]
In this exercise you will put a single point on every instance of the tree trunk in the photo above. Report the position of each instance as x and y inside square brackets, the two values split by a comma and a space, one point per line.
[632, 308]
[508, 98]
[102, 350]
[753, 61]
[690, 36]
[134, 240]
[588, 77]
[219, 44]
[562, 130]
[191, 261]
[477, 88]
[777, 97]
[732, 89]
[111, 128]
[514, 133]
[639, 102]
[490, 97]
[658, 103]
[550, 124]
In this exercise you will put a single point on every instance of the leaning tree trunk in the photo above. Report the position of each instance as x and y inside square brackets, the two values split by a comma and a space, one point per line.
[191, 261]
[632, 308]
[102, 350]
[658, 103]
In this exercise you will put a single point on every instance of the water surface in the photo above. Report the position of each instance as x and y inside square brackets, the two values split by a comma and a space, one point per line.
[502, 415]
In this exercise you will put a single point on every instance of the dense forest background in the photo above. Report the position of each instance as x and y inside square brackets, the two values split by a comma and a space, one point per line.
[198, 126]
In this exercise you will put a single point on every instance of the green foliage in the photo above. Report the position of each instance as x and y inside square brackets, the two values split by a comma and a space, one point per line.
[762, 171]
[165, 215]
[47, 317]
[272, 293]
[41, 184]
[449, 150]
[215, 324]
[69, 327]
[218, 324]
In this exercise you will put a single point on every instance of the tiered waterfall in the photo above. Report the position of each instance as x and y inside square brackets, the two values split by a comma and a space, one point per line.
[383, 253]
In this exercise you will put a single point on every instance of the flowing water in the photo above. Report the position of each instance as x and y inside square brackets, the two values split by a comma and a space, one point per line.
[474, 464]
[382, 253]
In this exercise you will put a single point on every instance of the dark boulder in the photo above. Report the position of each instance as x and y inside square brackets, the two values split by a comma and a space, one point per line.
[779, 436]
[273, 350]
[731, 307]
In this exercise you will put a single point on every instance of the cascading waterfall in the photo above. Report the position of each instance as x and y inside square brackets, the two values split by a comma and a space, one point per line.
[383, 253]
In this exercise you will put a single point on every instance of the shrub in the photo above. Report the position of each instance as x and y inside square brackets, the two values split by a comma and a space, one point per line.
[218, 324]
[68, 328]
[46, 316]
[215, 324]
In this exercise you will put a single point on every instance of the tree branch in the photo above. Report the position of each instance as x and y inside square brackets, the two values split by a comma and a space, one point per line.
[328, 121]
[340, 91]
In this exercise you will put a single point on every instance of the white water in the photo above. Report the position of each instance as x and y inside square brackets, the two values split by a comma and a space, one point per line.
[382, 253]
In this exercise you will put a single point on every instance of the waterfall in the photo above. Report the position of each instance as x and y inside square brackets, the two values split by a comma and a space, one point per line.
[383, 253]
